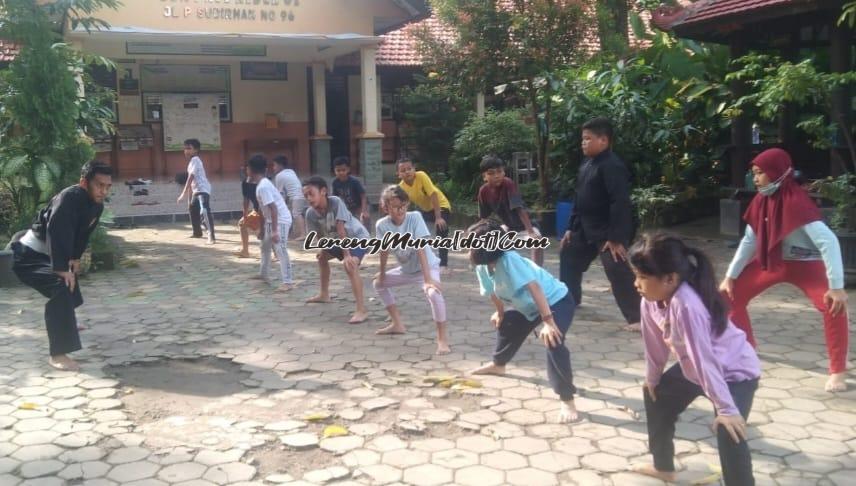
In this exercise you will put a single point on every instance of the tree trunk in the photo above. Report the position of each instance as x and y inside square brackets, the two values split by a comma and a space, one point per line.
[539, 152]
[612, 25]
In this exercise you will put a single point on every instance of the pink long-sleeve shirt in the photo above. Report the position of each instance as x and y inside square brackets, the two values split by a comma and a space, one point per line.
[683, 327]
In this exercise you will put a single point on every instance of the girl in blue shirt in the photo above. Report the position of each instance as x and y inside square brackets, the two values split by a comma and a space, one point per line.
[526, 295]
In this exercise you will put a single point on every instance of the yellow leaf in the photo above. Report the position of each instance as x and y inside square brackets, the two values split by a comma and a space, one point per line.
[438, 379]
[469, 383]
[334, 431]
[28, 406]
[316, 416]
[368, 385]
[710, 479]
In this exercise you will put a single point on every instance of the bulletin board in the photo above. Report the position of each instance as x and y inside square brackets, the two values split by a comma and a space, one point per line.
[191, 116]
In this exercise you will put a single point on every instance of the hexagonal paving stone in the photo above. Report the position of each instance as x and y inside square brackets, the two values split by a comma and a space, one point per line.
[213, 458]
[8, 464]
[184, 471]
[382, 474]
[526, 445]
[531, 477]
[361, 457]
[479, 476]
[386, 443]
[601, 461]
[128, 454]
[524, 417]
[504, 460]
[303, 440]
[341, 445]
[478, 444]
[231, 472]
[454, 458]
[35, 424]
[37, 452]
[822, 447]
[404, 458]
[85, 470]
[35, 438]
[40, 468]
[427, 475]
[133, 471]
[577, 445]
[432, 445]
[623, 446]
[554, 462]
[481, 417]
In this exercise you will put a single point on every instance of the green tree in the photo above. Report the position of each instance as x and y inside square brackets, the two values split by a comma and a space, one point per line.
[43, 121]
[517, 41]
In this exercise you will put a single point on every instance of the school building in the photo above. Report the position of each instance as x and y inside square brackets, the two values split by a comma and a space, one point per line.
[293, 77]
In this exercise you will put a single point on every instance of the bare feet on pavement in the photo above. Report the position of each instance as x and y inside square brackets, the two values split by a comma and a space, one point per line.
[836, 383]
[489, 369]
[64, 363]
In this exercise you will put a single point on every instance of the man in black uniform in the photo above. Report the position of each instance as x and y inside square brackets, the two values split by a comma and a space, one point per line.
[47, 257]
[602, 222]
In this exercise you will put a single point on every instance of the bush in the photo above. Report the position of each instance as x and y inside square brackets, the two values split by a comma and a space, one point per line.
[498, 133]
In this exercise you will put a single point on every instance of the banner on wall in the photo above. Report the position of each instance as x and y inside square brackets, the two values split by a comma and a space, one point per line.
[191, 116]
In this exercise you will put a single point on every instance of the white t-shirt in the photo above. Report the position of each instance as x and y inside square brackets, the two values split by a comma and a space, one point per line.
[197, 170]
[408, 258]
[267, 194]
[288, 184]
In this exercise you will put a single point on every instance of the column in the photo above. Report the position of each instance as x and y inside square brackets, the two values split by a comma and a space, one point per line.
[320, 140]
[371, 140]
[480, 105]
[840, 60]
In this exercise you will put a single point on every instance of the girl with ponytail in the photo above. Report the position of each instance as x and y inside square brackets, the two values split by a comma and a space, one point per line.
[786, 241]
[683, 313]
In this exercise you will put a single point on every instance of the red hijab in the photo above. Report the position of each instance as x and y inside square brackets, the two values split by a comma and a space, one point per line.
[774, 217]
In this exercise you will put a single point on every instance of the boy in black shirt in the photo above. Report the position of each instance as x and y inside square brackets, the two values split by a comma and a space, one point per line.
[47, 257]
[350, 190]
[602, 222]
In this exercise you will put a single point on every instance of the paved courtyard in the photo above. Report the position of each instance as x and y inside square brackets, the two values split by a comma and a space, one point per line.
[194, 375]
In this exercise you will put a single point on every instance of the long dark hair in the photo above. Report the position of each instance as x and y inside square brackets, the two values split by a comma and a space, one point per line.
[659, 254]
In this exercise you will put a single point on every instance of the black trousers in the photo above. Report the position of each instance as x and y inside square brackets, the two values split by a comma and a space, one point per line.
[34, 270]
[514, 329]
[674, 395]
[196, 216]
[576, 259]
[428, 216]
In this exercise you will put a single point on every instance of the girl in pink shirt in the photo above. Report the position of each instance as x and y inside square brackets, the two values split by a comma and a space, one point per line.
[684, 315]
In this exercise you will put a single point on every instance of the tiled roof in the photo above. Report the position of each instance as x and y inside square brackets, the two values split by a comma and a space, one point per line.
[399, 47]
[8, 51]
[702, 11]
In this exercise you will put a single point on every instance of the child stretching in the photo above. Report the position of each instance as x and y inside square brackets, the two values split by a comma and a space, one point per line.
[536, 297]
[683, 314]
[415, 266]
[328, 216]
[432, 203]
[786, 241]
[277, 222]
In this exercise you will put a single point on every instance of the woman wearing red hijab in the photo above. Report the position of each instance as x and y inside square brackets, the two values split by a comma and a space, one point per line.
[786, 241]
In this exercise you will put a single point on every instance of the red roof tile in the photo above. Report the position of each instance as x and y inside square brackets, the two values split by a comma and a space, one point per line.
[711, 9]
[8, 51]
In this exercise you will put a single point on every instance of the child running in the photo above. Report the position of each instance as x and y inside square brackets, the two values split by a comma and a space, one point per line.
[536, 297]
[786, 241]
[415, 265]
[277, 222]
[684, 314]
[328, 217]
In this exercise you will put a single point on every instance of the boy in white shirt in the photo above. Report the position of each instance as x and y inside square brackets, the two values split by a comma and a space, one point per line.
[289, 185]
[199, 188]
[277, 222]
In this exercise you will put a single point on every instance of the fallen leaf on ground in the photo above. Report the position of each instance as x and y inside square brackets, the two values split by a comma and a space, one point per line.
[334, 431]
[316, 416]
[28, 406]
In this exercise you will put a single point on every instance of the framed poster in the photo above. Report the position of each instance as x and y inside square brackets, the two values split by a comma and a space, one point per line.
[264, 71]
[191, 116]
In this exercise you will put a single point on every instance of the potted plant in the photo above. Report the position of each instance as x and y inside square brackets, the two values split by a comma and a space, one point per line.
[841, 192]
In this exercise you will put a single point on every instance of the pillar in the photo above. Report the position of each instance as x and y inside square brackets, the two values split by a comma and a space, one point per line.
[480, 105]
[741, 127]
[320, 140]
[840, 58]
[371, 140]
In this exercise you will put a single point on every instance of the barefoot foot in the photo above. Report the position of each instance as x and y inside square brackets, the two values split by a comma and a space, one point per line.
[358, 317]
[319, 299]
[443, 348]
[635, 327]
[391, 329]
[285, 288]
[489, 369]
[836, 383]
[241, 254]
[64, 363]
[568, 412]
[650, 470]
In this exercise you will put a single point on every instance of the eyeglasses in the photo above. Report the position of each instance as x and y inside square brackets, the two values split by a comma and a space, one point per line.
[396, 208]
